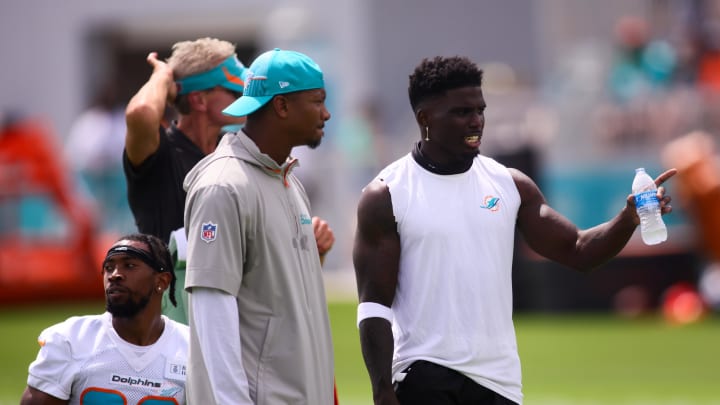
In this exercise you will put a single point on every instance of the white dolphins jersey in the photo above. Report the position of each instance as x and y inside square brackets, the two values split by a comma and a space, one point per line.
[84, 360]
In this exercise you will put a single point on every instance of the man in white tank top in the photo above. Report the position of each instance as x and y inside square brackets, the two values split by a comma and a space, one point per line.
[433, 252]
[131, 354]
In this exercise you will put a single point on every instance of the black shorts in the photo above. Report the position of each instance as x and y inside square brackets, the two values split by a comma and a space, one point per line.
[432, 384]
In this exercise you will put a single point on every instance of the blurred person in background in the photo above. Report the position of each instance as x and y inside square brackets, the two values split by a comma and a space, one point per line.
[434, 247]
[94, 150]
[642, 64]
[130, 354]
[643, 109]
[200, 79]
[253, 271]
[697, 160]
[361, 140]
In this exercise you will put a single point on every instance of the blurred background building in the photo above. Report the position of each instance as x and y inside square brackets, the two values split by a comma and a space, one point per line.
[579, 94]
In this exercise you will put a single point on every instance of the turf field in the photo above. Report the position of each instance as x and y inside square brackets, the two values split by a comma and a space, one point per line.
[567, 360]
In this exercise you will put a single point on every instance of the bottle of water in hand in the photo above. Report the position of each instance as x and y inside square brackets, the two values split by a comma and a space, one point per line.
[652, 227]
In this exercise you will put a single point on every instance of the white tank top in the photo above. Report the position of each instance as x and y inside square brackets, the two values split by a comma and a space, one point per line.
[453, 304]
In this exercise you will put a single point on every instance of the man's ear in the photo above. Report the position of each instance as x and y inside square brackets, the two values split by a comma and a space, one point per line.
[163, 279]
[421, 117]
[281, 105]
[197, 101]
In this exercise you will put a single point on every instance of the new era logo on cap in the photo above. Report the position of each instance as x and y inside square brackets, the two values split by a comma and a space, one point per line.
[272, 73]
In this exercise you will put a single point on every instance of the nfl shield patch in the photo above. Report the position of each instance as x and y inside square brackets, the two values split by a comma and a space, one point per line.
[208, 232]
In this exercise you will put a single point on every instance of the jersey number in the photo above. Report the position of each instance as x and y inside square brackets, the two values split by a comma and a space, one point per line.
[100, 396]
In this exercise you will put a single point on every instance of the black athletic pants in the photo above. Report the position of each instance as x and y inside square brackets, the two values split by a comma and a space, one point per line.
[431, 384]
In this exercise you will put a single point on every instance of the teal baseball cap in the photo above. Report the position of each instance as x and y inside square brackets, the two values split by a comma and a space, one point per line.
[272, 73]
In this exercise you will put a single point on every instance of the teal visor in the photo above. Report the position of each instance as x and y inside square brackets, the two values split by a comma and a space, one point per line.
[230, 74]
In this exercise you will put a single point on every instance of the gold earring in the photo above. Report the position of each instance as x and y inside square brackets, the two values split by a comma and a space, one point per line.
[427, 133]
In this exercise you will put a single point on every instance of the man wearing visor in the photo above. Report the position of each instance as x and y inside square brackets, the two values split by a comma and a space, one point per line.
[130, 354]
[200, 79]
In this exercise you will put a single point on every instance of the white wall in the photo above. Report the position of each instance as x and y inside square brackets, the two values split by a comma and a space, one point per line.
[43, 71]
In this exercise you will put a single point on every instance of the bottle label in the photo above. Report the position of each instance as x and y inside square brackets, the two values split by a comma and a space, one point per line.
[646, 199]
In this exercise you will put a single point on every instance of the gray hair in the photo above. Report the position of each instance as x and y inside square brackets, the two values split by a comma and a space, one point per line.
[193, 57]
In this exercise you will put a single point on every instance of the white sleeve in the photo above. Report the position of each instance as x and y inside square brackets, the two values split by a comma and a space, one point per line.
[51, 372]
[211, 311]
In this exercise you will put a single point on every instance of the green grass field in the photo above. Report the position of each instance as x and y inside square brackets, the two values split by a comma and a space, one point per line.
[567, 360]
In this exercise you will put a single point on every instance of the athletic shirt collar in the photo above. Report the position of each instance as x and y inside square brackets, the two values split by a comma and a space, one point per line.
[425, 163]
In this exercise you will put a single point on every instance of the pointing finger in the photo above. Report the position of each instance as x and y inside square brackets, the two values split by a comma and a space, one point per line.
[665, 176]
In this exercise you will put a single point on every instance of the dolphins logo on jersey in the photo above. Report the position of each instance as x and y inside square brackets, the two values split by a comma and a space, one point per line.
[491, 203]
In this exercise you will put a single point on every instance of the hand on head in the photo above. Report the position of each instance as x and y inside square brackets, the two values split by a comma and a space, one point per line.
[162, 68]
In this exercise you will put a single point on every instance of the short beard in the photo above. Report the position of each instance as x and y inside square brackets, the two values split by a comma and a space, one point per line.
[127, 309]
[314, 144]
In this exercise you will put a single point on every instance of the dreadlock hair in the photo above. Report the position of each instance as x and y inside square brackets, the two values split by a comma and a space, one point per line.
[160, 252]
[433, 77]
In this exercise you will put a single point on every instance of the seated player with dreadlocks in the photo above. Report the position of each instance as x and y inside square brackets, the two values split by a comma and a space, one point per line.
[130, 354]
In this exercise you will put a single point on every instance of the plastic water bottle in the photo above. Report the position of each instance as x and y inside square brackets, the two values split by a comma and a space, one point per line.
[652, 227]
